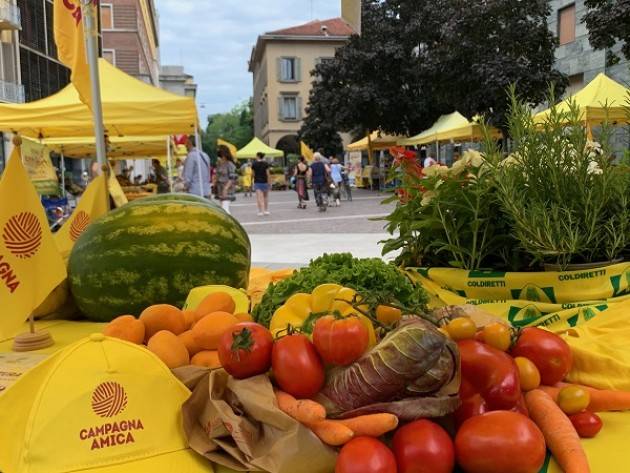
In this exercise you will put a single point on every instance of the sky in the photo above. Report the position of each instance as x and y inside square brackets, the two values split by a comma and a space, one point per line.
[213, 40]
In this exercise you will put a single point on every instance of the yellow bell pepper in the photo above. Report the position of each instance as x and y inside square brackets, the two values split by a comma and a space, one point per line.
[326, 298]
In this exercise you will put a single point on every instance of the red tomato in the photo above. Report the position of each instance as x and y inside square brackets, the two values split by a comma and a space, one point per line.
[365, 455]
[498, 442]
[587, 424]
[340, 341]
[550, 353]
[423, 447]
[245, 350]
[297, 367]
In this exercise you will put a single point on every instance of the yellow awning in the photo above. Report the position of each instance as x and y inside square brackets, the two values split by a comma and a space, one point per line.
[379, 141]
[591, 100]
[130, 108]
[127, 147]
[451, 121]
[257, 146]
[469, 132]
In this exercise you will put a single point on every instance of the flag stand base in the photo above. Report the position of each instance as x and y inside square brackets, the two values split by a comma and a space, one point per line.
[33, 341]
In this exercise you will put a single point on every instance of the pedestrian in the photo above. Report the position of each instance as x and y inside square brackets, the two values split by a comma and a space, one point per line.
[196, 170]
[226, 178]
[301, 174]
[429, 161]
[336, 170]
[247, 179]
[345, 177]
[160, 177]
[319, 178]
[262, 183]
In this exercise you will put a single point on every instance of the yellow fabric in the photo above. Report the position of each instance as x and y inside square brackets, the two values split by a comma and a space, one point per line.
[306, 151]
[70, 40]
[92, 205]
[557, 300]
[130, 108]
[257, 146]
[125, 147]
[228, 145]
[41, 172]
[378, 141]
[470, 132]
[591, 100]
[91, 407]
[30, 265]
[247, 176]
[451, 121]
[115, 191]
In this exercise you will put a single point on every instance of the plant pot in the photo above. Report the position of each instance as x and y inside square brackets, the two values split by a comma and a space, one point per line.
[581, 266]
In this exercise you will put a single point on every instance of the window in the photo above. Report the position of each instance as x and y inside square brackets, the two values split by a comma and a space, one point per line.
[290, 108]
[107, 17]
[566, 24]
[110, 56]
[289, 69]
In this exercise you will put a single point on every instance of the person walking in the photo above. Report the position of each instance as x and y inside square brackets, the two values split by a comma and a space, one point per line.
[226, 178]
[247, 173]
[196, 170]
[336, 170]
[262, 183]
[319, 176]
[301, 173]
[160, 177]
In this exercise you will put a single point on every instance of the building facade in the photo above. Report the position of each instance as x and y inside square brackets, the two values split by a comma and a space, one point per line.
[174, 79]
[130, 32]
[281, 65]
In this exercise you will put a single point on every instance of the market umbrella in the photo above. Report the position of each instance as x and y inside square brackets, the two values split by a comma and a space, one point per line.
[472, 131]
[592, 101]
[451, 121]
[257, 146]
[127, 147]
[376, 140]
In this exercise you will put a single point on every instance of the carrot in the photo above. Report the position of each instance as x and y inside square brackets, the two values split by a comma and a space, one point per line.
[331, 432]
[372, 425]
[560, 435]
[551, 391]
[602, 400]
[303, 410]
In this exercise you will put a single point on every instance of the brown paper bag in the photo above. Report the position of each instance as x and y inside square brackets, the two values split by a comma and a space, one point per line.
[237, 424]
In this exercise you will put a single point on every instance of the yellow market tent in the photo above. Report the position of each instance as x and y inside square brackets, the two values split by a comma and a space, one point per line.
[127, 147]
[257, 146]
[472, 131]
[377, 140]
[130, 108]
[592, 99]
[445, 122]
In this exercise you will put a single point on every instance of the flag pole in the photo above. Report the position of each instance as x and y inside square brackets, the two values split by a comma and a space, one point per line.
[91, 35]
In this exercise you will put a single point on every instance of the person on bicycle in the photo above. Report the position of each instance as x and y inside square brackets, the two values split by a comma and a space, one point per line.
[319, 178]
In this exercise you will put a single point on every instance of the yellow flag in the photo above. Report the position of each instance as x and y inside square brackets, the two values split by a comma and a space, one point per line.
[306, 151]
[30, 265]
[91, 206]
[115, 190]
[228, 145]
[70, 40]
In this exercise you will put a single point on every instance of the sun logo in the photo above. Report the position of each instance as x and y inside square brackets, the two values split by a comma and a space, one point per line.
[22, 235]
[79, 223]
[109, 399]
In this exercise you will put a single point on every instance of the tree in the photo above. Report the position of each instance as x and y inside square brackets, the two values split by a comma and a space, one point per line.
[235, 126]
[608, 22]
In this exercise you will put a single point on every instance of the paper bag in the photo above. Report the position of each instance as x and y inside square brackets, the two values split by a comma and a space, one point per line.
[237, 424]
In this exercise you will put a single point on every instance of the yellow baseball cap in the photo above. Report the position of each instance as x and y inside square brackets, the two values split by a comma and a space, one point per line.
[101, 405]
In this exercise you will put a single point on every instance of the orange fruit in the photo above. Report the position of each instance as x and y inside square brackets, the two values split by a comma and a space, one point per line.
[242, 317]
[207, 359]
[209, 329]
[189, 340]
[169, 348]
[162, 317]
[126, 327]
[215, 302]
[388, 315]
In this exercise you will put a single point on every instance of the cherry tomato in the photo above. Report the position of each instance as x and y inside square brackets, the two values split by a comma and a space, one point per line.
[388, 315]
[245, 350]
[500, 442]
[573, 399]
[497, 335]
[528, 373]
[340, 341]
[550, 353]
[297, 368]
[365, 455]
[423, 447]
[586, 423]
[461, 328]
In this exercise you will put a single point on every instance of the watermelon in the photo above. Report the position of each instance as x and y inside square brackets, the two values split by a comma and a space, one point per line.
[154, 251]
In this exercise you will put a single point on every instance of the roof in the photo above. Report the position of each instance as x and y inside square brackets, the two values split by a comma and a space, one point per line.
[330, 27]
[257, 146]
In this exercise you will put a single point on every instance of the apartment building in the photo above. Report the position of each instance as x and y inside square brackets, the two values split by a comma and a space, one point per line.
[130, 32]
[176, 80]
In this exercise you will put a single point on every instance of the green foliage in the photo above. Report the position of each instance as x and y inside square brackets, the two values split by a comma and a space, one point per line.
[608, 22]
[372, 276]
[235, 126]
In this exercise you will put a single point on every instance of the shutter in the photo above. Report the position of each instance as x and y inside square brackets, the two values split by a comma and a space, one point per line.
[298, 69]
[298, 101]
[280, 115]
[279, 69]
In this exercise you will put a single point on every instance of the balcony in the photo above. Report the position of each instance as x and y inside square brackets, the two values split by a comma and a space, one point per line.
[11, 92]
[10, 17]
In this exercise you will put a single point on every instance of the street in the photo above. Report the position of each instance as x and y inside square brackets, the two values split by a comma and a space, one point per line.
[290, 236]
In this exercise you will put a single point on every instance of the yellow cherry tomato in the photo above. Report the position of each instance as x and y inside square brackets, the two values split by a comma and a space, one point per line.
[573, 399]
[388, 315]
[461, 328]
[528, 373]
[497, 335]
[323, 297]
